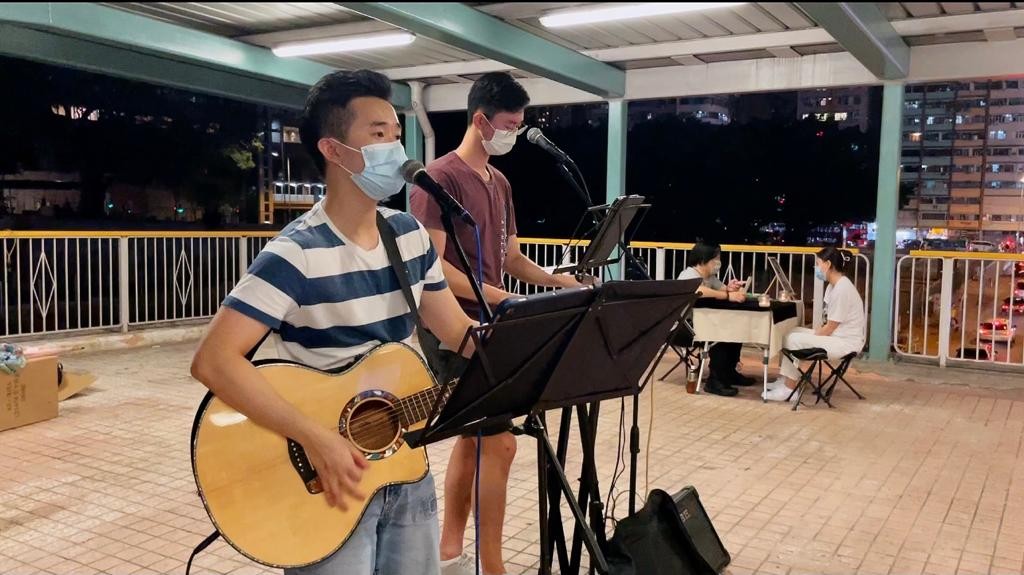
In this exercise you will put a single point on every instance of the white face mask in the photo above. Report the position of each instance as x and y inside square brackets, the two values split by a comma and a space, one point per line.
[502, 141]
[716, 267]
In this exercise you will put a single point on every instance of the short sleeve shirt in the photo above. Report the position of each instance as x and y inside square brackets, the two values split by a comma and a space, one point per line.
[490, 204]
[328, 299]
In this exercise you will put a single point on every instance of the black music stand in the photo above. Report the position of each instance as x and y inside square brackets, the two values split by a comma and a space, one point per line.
[514, 356]
[609, 234]
[612, 349]
[560, 349]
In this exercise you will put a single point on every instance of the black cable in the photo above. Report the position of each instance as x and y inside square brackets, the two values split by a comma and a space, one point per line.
[619, 468]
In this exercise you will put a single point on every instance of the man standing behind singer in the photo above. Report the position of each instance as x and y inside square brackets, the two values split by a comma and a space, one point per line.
[496, 107]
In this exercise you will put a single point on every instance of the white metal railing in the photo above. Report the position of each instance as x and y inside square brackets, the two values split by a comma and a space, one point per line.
[668, 260]
[548, 254]
[64, 283]
[944, 298]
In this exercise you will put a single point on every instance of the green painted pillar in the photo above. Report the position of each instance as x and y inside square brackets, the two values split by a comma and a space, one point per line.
[884, 264]
[618, 129]
[413, 135]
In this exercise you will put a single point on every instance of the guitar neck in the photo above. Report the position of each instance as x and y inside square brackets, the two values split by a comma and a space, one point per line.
[417, 407]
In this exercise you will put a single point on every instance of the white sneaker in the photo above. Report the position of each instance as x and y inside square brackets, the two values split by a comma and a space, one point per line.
[462, 565]
[780, 382]
[780, 393]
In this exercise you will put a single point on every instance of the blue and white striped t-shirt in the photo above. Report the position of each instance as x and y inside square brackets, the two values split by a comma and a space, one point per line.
[329, 299]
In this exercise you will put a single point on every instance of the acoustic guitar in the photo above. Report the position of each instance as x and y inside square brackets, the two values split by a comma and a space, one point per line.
[259, 488]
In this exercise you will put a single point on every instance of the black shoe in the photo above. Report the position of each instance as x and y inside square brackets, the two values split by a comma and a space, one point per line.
[741, 380]
[718, 388]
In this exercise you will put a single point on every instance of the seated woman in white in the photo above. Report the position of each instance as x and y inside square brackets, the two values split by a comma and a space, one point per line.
[845, 322]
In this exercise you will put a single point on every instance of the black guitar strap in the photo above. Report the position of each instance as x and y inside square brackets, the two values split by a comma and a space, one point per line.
[387, 235]
[199, 548]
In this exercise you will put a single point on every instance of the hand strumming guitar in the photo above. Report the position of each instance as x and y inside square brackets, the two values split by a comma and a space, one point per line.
[339, 466]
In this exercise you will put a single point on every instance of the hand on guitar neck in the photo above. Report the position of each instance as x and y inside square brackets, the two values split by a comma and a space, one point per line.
[339, 467]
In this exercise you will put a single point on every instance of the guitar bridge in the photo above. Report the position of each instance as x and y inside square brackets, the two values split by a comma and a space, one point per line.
[313, 486]
[304, 468]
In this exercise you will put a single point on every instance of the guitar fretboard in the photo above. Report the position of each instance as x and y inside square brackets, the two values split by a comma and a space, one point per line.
[416, 407]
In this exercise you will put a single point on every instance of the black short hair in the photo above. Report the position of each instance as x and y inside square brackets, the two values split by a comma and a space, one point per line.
[326, 111]
[840, 259]
[703, 252]
[496, 92]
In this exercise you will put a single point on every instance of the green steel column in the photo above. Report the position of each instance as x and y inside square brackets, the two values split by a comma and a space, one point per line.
[413, 145]
[884, 264]
[618, 128]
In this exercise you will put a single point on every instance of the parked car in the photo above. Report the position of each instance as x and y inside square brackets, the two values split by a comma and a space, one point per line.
[1017, 304]
[983, 353]
[981, 246]
[997, 330]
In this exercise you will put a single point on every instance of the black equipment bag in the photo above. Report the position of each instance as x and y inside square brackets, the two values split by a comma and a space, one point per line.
[670, 535]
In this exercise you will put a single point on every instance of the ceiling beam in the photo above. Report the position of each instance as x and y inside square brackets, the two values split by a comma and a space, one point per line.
[271, 39]
[864, 31]
[933, 63]
[638, 52]
[681, 50]
[101, 25]
[57, 50]
[783, 52]
[471, 30]
[1000, 34]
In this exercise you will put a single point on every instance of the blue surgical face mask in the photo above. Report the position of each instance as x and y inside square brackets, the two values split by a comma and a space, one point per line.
[381, 177]
[819, 274]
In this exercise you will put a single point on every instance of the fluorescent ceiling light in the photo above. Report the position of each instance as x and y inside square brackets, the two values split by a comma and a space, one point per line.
[597, 13]
[344, 44]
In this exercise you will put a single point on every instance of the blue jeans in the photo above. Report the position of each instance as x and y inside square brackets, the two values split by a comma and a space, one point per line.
[398, 535]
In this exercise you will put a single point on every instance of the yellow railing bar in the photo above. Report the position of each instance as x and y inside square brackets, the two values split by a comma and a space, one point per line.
[968, 255]
[684, 246]
[551, 242]
[61, 234]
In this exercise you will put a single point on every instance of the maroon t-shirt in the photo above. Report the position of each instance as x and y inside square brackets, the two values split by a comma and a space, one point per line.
[490, 204]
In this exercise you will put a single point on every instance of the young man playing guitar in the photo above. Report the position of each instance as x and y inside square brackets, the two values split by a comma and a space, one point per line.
[497, 103]
[326, 287]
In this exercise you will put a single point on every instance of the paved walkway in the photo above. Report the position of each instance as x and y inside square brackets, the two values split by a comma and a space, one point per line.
[919, 478]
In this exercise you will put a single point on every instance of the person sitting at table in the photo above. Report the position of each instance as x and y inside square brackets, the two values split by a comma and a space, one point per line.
[705, 263]
[843, 332]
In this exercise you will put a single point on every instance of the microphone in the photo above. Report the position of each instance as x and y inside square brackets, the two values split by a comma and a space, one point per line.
[535, 136]
[413, 172]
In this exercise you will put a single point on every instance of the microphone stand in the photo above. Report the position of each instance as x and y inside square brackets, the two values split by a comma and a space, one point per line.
[634, 431]
[449, 228]
[584, 193]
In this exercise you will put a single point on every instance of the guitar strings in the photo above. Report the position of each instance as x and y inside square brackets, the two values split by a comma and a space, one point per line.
[380, 423]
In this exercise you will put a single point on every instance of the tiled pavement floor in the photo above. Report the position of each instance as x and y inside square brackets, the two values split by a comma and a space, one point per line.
[919, 478]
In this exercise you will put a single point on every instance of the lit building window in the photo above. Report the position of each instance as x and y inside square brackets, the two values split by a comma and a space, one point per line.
[841, 116]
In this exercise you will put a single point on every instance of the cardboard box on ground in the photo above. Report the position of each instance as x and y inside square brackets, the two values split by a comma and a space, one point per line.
[31, 394]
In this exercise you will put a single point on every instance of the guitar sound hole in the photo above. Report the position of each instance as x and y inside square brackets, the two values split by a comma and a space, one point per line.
[373, 426]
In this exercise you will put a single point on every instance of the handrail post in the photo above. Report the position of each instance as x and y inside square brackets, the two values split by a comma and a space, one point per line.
[122, 288]
[243, 256]
[946, 310]
[659, 263]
